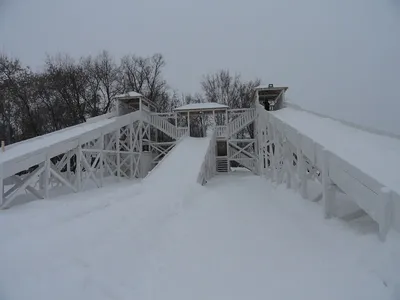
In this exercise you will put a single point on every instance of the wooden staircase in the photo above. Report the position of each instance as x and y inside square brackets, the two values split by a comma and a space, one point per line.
[241, 121]
[222, 164]
[163, 125]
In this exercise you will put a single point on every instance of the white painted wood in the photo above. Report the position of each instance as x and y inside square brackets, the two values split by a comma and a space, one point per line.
[273, 153]
[18, 183]
[164, 125]
[78, 169]
[302, 173]
[132, 159]
[243, 120]
[101, 160]
[118, 137]
[222, 165]
[328, 191]
[126, 158]
[208, 167]
[26, 181]
[383, 207]
[308, 148]
[386, 213]
[46, 177]
[362, 194]
[1, 185]
[57, 174]
[188, 121]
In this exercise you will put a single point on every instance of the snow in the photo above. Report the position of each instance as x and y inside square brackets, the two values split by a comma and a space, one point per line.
[180, 168]
[41, 142]
[266, 86]
[128, 95]
[376, 155]
[202, 106]
[239, 237]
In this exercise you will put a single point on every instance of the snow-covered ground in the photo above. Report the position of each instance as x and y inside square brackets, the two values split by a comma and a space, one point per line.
[239, 237]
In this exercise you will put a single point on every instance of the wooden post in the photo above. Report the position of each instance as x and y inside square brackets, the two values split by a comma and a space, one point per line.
[132, 159]
[188, 116]
[302, 172]
[328, 189]
[69, 165]
[78, 168]
[261, 152]
[118, 137]
[385, 218]
[140, 159]
[101, 161]
[3, 146]
[1, 186]
[227, 124]
[46, 177]
[272, 152]
[214, 121]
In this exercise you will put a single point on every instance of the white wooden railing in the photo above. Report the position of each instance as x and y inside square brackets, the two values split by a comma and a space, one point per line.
[221, 131]
[241, 121]
[377, 200]
[246, 161]
[181, 131]
[208, 169]
[163, 125]
[52, 145]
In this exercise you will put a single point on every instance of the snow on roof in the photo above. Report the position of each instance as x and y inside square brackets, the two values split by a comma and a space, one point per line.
[128, 95]
[202, 106]
[266, 86]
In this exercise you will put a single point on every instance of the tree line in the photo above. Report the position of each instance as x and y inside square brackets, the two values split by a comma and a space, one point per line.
[66, 91]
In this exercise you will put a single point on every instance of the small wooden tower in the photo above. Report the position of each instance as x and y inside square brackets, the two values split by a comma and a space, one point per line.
[272, 98]
[132, 101]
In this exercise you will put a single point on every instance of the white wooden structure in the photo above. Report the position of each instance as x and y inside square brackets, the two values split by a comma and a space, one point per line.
[288, 156]
[134, 138]
[234, 136]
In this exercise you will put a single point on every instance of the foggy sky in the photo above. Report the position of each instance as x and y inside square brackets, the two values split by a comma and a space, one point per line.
[338, 57]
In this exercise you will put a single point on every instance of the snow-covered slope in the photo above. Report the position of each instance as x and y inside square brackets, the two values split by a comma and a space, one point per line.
[375, 155]
[180, 168]
[239, 237]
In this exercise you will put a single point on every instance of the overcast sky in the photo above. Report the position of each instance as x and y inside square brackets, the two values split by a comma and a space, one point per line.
[340, 57]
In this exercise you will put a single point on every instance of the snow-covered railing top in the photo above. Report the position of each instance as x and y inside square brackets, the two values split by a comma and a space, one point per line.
[357, 166]
[33, 151]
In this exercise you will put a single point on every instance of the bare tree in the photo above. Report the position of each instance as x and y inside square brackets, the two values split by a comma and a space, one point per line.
[68, 81]
[103, 82]
[224, 88]
[144, 76]
[15, 82]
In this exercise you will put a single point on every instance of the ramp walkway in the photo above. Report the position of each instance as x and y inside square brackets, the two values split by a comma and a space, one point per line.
[362, 149]
[362, 164]
[180, 167]
[25, 154]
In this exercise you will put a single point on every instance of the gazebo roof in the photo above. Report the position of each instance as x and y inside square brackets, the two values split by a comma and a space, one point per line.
[208, 106]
